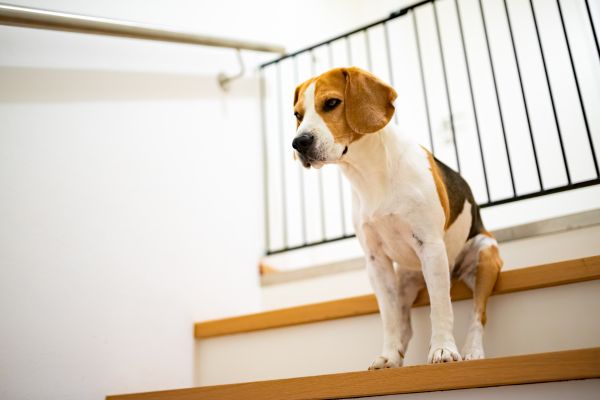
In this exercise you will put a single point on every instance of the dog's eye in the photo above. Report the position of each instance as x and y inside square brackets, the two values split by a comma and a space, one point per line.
[330, 104]
[298, 116]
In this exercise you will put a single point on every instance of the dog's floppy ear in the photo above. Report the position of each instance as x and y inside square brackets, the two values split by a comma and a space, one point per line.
[297, 94]
[369, 101]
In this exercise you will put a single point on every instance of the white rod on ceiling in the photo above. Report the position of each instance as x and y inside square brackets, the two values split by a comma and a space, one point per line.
[46, 19]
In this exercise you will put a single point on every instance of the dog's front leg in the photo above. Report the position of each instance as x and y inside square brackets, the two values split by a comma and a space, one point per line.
[387, 291]
[434, 263]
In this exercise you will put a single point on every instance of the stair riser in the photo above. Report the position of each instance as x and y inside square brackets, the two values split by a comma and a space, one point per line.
[519, 323]
[581, 390]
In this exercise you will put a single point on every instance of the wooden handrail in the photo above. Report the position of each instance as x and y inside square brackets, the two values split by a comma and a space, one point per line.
[514, 370]
[554, 274]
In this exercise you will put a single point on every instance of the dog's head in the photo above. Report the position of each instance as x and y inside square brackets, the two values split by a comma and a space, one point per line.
[337, 108]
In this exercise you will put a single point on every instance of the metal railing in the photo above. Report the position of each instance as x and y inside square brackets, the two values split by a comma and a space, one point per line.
[46, 19]
[507, 92]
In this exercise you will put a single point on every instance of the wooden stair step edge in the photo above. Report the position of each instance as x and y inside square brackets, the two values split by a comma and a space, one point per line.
[541, 276]
[514, 370]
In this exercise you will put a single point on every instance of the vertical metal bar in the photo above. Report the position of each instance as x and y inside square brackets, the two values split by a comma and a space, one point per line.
[589, 13]
[512, 40]
[560, 141]
[281, 159]
[368, 50]
[583, 113]
[313, 69]
[487, 42]
[423, 87]
[339, 173]
[451, 116]
[388, 52]
[348, 50]
[462, 39]
[265, 157]
[300, 172]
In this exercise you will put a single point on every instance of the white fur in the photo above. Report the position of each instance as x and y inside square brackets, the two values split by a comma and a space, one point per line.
[399, 221]
[398, 216]
[457, 233]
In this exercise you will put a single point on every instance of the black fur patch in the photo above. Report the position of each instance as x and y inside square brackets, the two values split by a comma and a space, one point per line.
[418, 240]
[458, 191]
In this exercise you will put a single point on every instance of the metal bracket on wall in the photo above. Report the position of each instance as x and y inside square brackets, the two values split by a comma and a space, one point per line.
[225, 80]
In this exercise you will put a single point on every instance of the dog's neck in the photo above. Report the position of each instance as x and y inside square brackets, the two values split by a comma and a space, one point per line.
[371, 162]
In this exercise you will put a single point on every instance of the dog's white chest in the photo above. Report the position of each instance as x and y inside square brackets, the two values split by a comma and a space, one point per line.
[390, 235]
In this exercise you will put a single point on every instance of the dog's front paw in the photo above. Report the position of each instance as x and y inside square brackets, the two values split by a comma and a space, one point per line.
[392, 360]
[444, 353]
[474, 353]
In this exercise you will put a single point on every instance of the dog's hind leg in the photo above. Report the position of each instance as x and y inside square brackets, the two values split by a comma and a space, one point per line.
[480, 276]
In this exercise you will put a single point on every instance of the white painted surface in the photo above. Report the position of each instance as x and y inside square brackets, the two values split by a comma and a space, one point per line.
[516, 254]
[551, 319]
[581, 390]
[109, 249]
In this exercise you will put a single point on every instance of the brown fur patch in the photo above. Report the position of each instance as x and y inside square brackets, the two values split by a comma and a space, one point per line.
[440, 187]
[366, 107]
[369, 101]
[458, 191]
[332, 84]
[488, 268]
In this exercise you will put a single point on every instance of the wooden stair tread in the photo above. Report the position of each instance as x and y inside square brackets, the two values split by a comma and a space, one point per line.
[541, 276]
[514, 370]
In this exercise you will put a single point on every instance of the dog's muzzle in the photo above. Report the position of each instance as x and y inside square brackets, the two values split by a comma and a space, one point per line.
[303, 142]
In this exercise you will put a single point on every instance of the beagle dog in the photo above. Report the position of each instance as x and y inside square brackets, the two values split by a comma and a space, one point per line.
[415, 218]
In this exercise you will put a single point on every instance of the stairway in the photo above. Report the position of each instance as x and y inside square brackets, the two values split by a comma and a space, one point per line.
[533, 368]
[547, 314]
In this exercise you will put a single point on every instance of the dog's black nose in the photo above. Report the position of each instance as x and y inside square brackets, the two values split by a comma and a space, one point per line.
[303, 142]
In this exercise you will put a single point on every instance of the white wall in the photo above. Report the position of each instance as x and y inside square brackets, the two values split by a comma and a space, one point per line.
[129, 190]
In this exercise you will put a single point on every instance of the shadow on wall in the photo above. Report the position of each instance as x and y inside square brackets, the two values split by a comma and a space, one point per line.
[57, 85]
